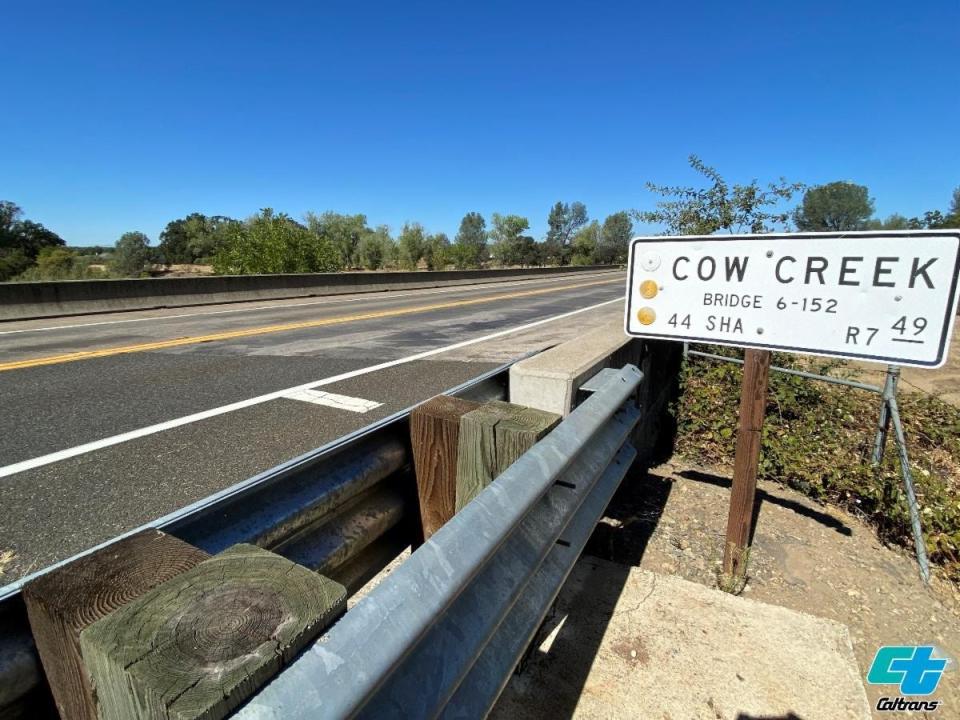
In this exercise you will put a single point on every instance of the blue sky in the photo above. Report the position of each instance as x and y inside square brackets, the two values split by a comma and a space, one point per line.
[123, 116]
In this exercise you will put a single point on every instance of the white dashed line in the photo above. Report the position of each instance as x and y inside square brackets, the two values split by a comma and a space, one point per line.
[340, 402]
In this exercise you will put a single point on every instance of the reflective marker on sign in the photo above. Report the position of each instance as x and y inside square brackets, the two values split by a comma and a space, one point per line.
[646, 316]
[648, 289]
[650, 261]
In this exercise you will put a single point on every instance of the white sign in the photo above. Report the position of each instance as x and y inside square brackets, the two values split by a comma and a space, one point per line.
[881, 296]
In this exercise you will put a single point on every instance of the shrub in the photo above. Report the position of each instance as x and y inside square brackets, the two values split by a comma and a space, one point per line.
[271, 243]
[131, 254]
[817, 438]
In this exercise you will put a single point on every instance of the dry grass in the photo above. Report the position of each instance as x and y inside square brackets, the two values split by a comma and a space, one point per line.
[6, 557]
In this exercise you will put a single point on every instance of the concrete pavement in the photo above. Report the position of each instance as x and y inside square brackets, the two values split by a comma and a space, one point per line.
[628, 643]
[94, 446]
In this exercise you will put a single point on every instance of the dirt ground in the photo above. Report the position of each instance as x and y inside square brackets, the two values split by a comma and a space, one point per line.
[806, 557]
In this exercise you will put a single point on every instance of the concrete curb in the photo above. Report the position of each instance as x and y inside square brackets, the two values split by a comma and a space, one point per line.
[637, 644]
[550, 380]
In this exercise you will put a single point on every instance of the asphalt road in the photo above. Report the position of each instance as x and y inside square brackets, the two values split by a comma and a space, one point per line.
[110, 421]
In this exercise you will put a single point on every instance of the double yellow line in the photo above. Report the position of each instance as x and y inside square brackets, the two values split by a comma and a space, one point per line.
[286, 327]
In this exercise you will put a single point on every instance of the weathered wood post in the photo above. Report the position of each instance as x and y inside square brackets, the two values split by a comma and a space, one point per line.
[492, 438]
[65, 601]
[435, 435]
[201, 643]
[753, 403]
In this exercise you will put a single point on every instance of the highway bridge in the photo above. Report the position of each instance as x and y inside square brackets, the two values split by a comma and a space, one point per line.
[110, 421]
[272, 438]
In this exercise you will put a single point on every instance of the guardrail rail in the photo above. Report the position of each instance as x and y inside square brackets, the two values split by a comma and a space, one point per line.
[334, 508]
[440, 635]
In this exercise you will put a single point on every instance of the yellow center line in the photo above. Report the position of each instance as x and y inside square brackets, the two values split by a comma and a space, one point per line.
[264, 330]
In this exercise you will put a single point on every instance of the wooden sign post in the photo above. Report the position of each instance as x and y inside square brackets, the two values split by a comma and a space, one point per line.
[753, 403]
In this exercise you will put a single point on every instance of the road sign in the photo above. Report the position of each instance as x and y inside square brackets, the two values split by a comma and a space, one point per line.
[879, 296]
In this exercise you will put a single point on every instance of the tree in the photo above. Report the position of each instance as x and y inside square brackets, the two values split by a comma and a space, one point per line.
[33, 237]
[274, 243]
[934, 219]
[563, 222]
[376, 248]
[528, 251]
[834, 207]
[585, 243]
[436, 251]
[391, 251]
[60, 263]
[704, 211]
[893, 222]
[506, 237]
[55, 263]
[21, 240]
[9, 214]
[410, 245]
[175, 243]
[470, 245]
[217, 231]
[615, 239]
[131, 254]
[952, 220]
[194, 238]
[344, 232]
[13, 263]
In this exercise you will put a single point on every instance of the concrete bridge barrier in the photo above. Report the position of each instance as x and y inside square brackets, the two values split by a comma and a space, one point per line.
[556, 380]
[28, 300]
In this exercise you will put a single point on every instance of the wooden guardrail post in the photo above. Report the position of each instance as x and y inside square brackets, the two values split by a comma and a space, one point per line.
[65, 601]
[435, 434]
[492, 437]
[202, 642]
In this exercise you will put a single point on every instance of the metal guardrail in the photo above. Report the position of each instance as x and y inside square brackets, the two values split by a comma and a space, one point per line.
[440, 636]
[341, 509]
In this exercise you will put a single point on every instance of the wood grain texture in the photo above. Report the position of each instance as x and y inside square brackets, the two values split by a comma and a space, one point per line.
[435, 435]
[201, 643]
[753, 404]
[492, 438]
[62, 603]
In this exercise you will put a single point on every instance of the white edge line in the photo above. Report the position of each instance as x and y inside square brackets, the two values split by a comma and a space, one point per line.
[205, 502]
[223, 409]
[326, 301]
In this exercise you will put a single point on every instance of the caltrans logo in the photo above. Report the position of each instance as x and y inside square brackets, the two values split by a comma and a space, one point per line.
[914, 669]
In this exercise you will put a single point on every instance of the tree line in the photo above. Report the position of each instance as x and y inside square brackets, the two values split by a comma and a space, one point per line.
[718, 206]
[272, 242]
